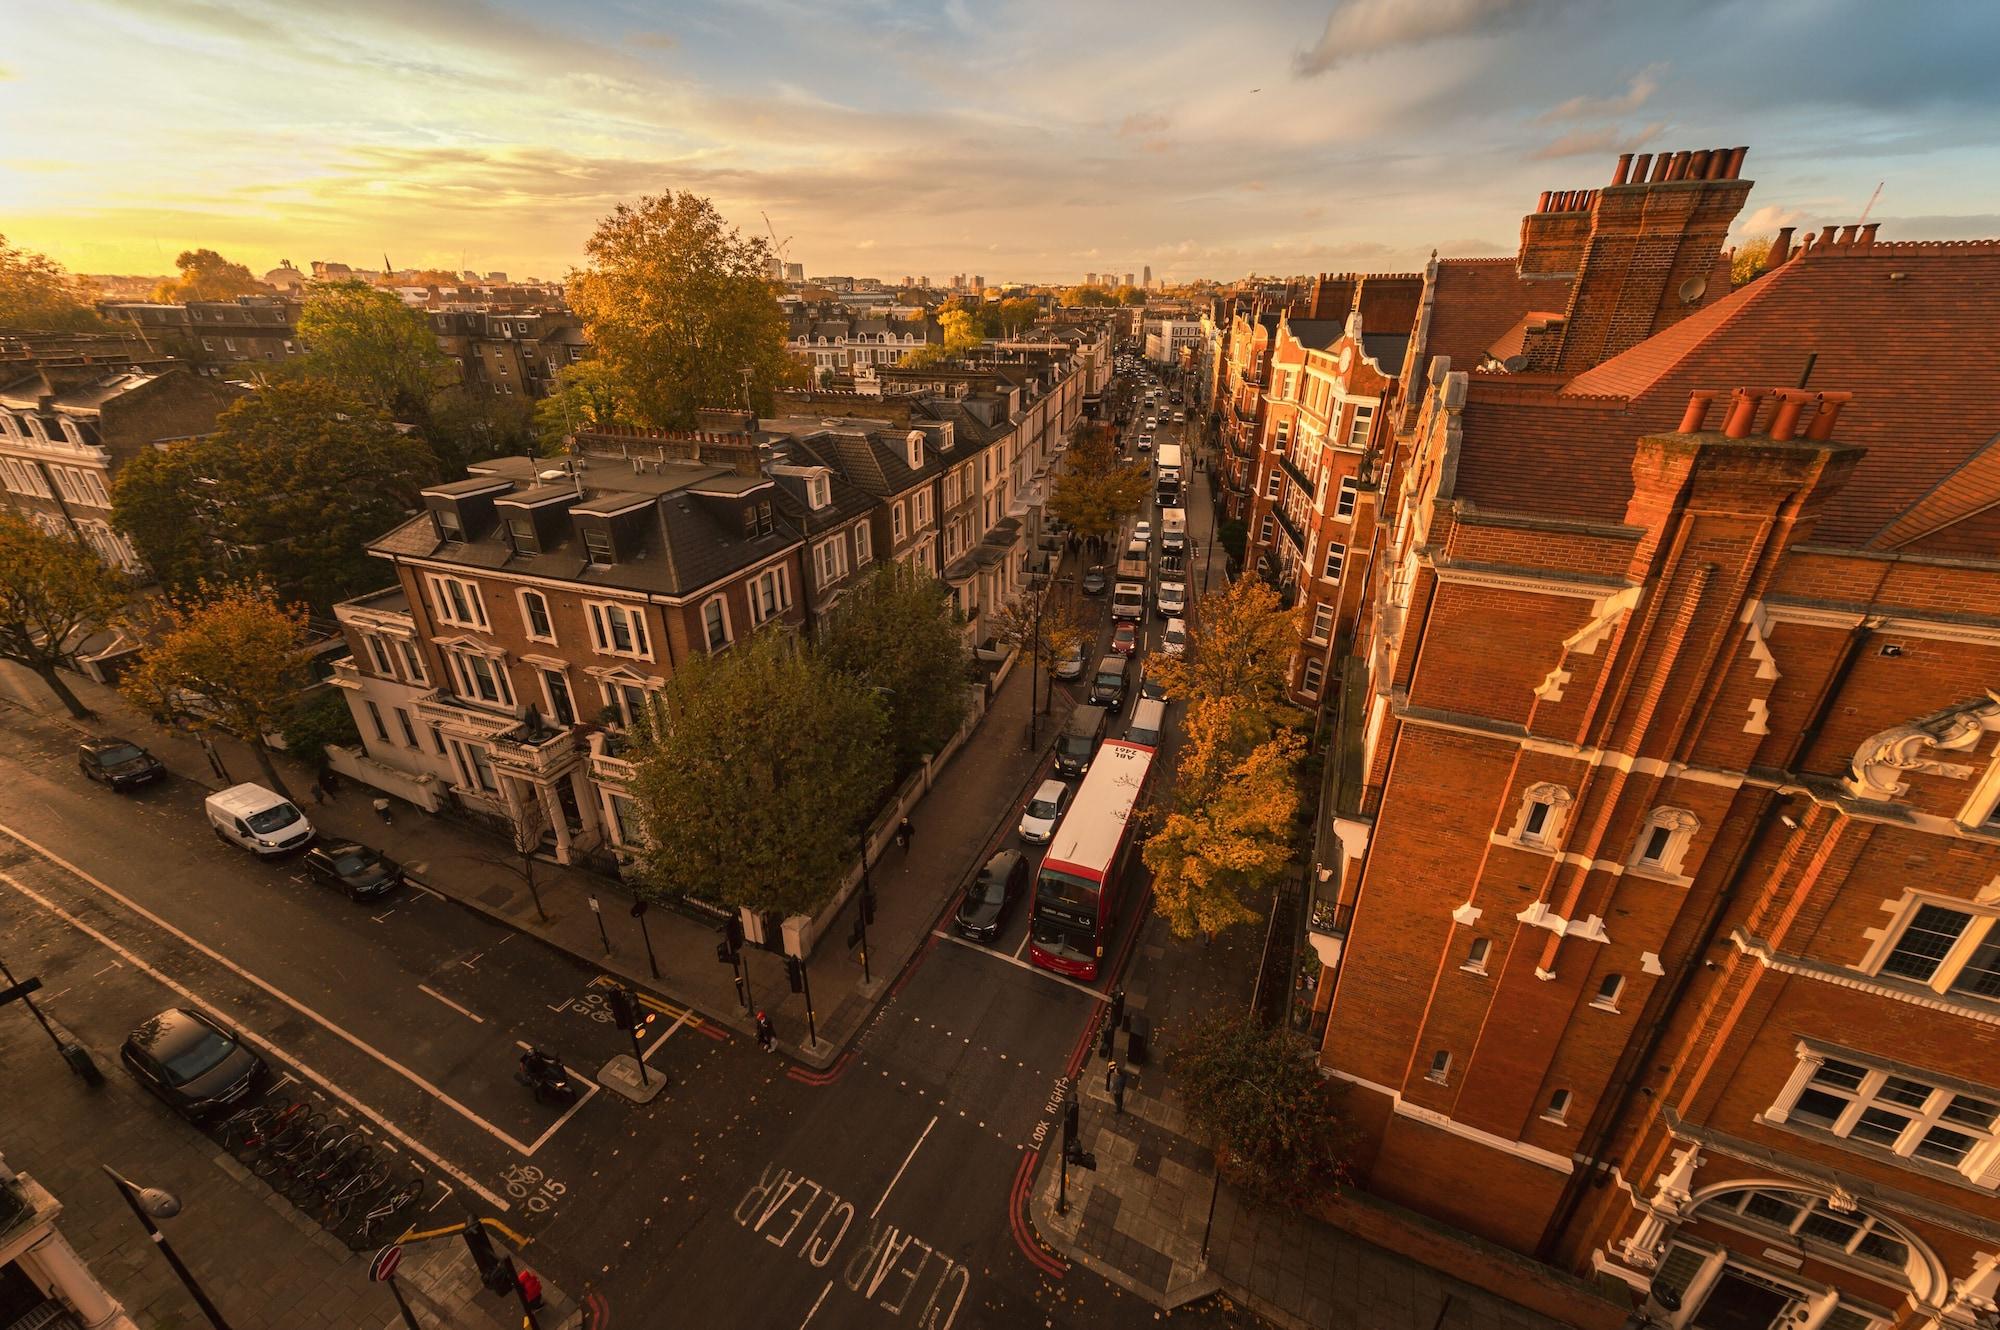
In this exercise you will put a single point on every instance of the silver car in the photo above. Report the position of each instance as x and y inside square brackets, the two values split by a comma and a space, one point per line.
[1038, 821]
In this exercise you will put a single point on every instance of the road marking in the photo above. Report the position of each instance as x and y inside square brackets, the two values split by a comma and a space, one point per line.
[815, 1307]
[906, 1163]
[569, 1112]
[267, 1045]
[682, 1020]
[276, 992]
[1035, 970]
[378, 918]
[426, 988]
[1027, 936]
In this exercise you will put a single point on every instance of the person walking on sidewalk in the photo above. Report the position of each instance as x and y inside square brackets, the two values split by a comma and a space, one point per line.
[765, 1034]
[1114, 1085]
[905, 833]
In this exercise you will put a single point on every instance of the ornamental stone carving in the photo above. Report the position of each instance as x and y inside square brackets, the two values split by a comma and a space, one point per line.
[1878, 762]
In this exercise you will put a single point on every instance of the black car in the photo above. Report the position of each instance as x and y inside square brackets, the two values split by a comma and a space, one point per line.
[1151, 689]
[357, 870]
[193, 1064]
[119, 763]
[991, 897]
[1095, 582]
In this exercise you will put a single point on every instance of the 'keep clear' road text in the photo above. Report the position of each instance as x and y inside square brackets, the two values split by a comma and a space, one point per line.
[796, 1214]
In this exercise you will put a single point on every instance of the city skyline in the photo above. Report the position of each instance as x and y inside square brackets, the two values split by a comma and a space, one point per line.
[1357, 135]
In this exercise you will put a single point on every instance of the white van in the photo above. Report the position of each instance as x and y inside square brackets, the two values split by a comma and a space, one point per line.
[1173, 528]
[257, 820]
[1149, 723]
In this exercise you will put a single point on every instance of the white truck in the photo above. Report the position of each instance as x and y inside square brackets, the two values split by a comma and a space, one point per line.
[1128, 600]
[1173, 528]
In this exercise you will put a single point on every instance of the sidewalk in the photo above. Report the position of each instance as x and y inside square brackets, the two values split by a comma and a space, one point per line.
[976, 791]
[1141, 1219]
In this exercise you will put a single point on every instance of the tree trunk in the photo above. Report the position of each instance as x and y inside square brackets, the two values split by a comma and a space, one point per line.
[53, 678]
[263, 754]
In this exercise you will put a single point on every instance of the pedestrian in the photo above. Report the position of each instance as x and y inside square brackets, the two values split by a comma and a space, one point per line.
[905, 833]
[1114, 1085]
[329, 780]
[765, 1034]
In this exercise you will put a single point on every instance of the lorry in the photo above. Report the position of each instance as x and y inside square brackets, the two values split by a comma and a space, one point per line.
[1167, 465]
[1173, 528]
[1134, 563]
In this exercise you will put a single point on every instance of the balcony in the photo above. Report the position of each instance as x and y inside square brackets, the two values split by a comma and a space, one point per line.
[1299, 478]
[1291, 531]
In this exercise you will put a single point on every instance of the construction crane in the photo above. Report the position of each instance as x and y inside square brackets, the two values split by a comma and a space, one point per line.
[778, 247]
[1871, 202]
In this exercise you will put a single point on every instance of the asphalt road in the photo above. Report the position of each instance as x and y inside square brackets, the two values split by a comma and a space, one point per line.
[751, 1194]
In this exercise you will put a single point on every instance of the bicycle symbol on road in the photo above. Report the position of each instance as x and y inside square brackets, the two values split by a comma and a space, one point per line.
[593, 1006]
[537, 1192]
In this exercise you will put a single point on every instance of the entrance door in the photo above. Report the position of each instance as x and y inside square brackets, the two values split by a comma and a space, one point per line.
[1740, 1302]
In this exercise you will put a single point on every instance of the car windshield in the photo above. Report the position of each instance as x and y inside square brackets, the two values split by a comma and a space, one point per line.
[1074, 744]
[1109, 680]
[354, 861]
[199, 1056]
[991, 889]
[119, 755]
[274, 818]
[1042, 808]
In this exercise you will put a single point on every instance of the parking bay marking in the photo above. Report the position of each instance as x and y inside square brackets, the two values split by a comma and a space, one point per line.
[426, 988]
[252, 1036]
[323, 1022]
[1035, 970]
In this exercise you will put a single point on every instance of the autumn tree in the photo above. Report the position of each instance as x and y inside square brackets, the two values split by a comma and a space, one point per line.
[230, 658]
[957, 334]
[897, 635]
[296, 480]
[1018, 314]
[587, 395]
[206, 275]
[52, 592]
[679, 305]
[373, 347]
[1095, 491]
[1044, 625]
[758, 777]
[1255, 1094]
[1749, 261]
[40, 295]
[1239, 649]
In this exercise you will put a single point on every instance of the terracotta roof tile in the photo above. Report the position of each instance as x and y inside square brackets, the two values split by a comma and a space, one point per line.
[1478, 302]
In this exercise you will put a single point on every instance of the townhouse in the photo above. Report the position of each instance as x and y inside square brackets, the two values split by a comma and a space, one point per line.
[831, 339]
[510, 352]
[1662, 926]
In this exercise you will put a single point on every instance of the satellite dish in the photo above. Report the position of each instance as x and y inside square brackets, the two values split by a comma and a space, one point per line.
[1693, 289]
[1514, 364]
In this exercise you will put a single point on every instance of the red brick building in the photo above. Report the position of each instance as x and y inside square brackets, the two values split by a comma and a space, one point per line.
[1667, 902]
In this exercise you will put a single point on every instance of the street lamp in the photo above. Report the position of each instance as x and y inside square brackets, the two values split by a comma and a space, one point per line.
[150, 1203]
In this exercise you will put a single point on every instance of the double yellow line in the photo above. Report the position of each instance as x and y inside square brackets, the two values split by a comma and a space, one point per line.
[670, 1010]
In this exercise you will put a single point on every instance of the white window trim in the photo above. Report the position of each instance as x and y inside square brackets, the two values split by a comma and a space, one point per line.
[1609, 1002]
[1558, 800]
[442, 607]
[461, 655]
[897, 528]
[1336, 556]
[1981, 1165]
[1557, 1109]
[598, 613]
[1330, 613]
[829, 561]
[1680, 826]
[728, 628]
[779, 580]
[527, 619]
[1477, 953]
[1309, 685]
[1984, 925]
[864, 544]
[1345, 498]
[1440, 1068]
[542, 673]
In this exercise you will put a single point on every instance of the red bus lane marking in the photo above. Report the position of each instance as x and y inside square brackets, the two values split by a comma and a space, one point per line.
[1022, 1226]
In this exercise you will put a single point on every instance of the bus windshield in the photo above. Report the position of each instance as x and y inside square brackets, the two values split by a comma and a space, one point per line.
[1072, 895]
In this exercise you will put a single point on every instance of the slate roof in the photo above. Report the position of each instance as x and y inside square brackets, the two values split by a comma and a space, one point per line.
[1906, 328]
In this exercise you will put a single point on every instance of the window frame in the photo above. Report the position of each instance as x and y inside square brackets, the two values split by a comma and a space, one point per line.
[1477, 953]
[1557, 1109]
[1440, 1071]
[447, 611]
[1334, 563]
[770, 593]
[603, 629]
[1328, 611]
[1980, 933]
[1547, 795]
[1978, 1166]
[1312, 676]
[1274, 483]
[864, 545]
[545, 675]
[1345, 498]
[1680, 826]
[1610, 989]
[522, 599]
[708, 631]
[470, 680]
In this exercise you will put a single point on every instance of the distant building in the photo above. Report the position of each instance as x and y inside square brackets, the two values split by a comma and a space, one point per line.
[287, 279]
[795, 272]
[1128, 279]
[1148, 277]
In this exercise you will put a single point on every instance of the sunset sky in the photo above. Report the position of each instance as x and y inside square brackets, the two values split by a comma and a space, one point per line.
[1019, 139]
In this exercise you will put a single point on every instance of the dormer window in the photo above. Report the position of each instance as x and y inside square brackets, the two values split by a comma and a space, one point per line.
[521, 533]
[914, 449]
[819, 492]
[1663, 841]
[597, 548]
[448, 525]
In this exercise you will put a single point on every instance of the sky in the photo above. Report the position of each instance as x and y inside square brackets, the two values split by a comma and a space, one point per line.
[1025, 140]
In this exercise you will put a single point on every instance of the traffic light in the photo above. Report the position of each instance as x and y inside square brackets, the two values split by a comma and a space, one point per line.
[500, 1279]
[795, 972]
[483, 1256]
[624, 1007]
[1069, 1126]
[724, 954]
[732, 933]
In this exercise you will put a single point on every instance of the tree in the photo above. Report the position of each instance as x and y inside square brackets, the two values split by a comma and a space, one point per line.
[52, 591]
[1017, 315]
[465, 427]
[1239, 649]
[678, 304]
[1045, 626]
[1255, 1095]
[758, 776]
[957, 334]
[1095, 491]
[232, 658]
[897, 635]
[588, 395]
[373, 347]
[40, 295]
[296, 480]
[1228, 837]
[1749, 261]
[206, 275]
[318, 720]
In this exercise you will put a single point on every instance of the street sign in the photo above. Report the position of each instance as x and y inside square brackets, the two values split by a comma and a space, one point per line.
[593, 905]
[385, 1264]
[20, 990]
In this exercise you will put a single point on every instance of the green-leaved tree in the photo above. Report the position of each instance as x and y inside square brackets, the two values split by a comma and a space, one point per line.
[757, 776]
[206, 275]
[373, 347]
[1255, 1095]
[52, 591]
[678, 303]
[587, 395]
[896, 634]
[38, 294]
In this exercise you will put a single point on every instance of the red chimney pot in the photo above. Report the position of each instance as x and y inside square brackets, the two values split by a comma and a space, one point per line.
[1742, 412]
[1828, 415]
[1698, 165]
[1696, 415]
[1867, 236]
[1660, 166]
[1736, 156]
[1542, 203]
[1624, 166]
[1846, 235]
[1639, 165]
[1679, 169]
[1781, 248]
[1791, 404]
[1826, 234]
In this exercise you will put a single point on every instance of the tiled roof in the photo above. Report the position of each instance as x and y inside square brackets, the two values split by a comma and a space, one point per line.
[1908, 329]
[1477, 301]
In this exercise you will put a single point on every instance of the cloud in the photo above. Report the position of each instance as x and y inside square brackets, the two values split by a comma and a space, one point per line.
[1594, 142]
[1141, 123]
[1768, 219]
[1637, 93]
[1369, 27]
[652, 41]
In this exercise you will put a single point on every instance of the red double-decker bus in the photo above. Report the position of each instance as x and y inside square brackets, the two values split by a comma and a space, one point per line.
[1076, 893]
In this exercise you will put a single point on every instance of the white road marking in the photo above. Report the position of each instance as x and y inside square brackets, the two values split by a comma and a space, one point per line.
[568, 1113]
[355, 1040]
[378, 918]
[252, 1036]
[668, 1034]
[426, 988]
[906, 1163]
[1035, 970]
[815, 1307]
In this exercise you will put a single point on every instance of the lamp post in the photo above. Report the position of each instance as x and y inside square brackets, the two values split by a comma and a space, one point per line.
[150, 1203]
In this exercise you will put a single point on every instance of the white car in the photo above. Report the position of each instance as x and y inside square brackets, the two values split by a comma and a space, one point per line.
[1070, 664]
[1174, 641]
[1038, 820]
[1143, 531]
[1171, 599]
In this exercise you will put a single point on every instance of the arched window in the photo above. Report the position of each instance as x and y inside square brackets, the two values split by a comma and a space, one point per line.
[1663, 841]
[1543, 812]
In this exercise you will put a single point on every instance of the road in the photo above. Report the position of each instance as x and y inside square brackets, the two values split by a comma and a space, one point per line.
[885, 1191]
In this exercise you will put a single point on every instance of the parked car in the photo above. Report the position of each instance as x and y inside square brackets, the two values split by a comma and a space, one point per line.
[1128, 600]
[1149, 723]
[990, 898]
[258, 820]
[362, 873]
[194, 1065]
[1170, 599]
[1143, 532]
[1145, 443]
[1125, 638]
[1174, 641]
[1108, 685]
[1070, 664]
[119, 763]
[1095, 581]
[1038, 820]
[1080, 737]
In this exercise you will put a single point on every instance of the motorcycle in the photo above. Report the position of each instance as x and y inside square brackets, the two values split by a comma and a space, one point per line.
[545, 1074]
